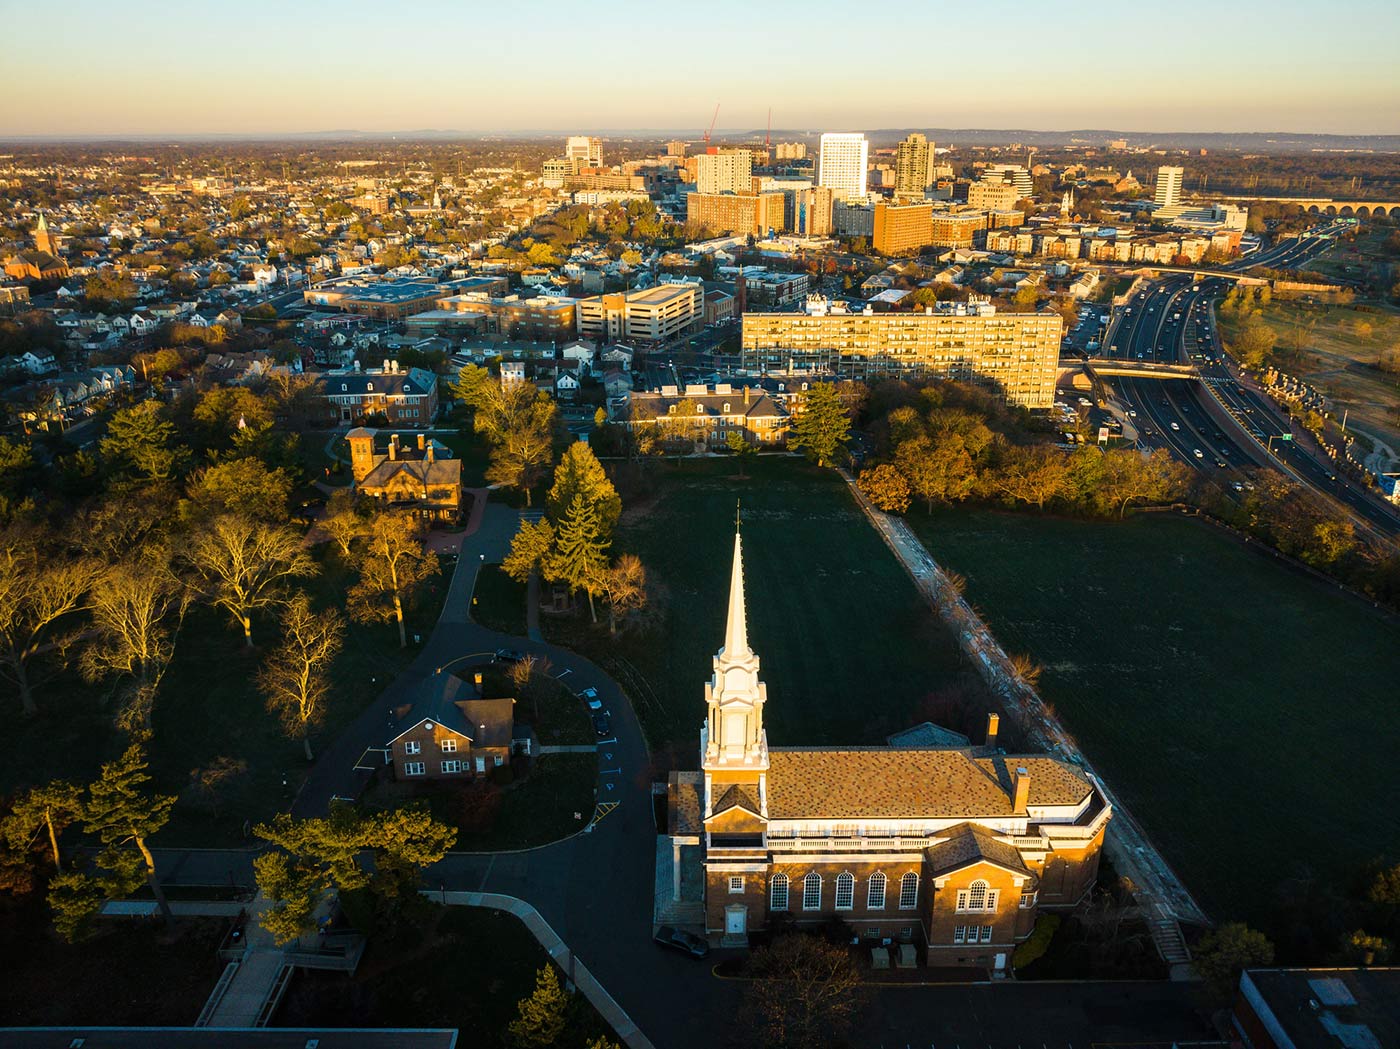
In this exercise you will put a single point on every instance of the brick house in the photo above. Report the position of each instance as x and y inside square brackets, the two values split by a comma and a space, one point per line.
[949, 846]
[405, 398]
[705, 416]
[451, 732]
[406, 477]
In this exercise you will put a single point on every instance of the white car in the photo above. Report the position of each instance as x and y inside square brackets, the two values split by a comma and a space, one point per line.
[590, 696]
[1198, 454]
[1176, 427]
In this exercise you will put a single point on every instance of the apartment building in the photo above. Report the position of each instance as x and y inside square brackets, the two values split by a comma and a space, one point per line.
[1016, 353]
[724, 171]
[1168, 189]
[913, 166]
[653, 315]
[991, 194]
[956, 229]
[738, 213]
[842, 162]
[898, 228]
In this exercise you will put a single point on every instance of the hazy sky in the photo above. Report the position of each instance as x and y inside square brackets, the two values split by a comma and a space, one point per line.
[85, 67]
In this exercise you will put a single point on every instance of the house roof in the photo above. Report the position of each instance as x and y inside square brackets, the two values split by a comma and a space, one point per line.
[971, 844]
[453, 703]
[683, 790]
[905, 783]
[655, 406]
[436, 472]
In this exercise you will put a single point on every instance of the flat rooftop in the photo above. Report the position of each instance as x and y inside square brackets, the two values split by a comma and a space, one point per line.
[224, 1038]
[662, 293]
[1329, 1008]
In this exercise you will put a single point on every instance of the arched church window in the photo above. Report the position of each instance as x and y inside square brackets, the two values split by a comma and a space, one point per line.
[875, 898]
[845, 891]
[778, 893]
[908, 891]
[812, 892]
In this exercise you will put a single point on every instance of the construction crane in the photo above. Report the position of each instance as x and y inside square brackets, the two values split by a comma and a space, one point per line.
[710, 130]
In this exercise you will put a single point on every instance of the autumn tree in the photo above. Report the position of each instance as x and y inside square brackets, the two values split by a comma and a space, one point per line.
[246, 487]
[393, 567]
[822, 426]
[139, 443]
[580, 556]
[1126, 475]
[1223, 953]
[543, 1015]
[137, 607]
[625, 587]
[244, 566]
[43, 812]
[805, 993]
[40, 592]
[579, 474]
[294, 679]
[885, 487]
[937, 469]
[528, 549]
[1254, 343]
[343, 520]
[1034, 474]
[519, 457]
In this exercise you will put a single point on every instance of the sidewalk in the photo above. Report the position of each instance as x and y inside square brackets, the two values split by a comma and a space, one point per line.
[574, 969]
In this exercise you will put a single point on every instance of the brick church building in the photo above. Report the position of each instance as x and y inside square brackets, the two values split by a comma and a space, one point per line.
[952, 848]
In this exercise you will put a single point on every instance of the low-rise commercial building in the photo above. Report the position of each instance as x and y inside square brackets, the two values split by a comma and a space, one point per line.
[541, 319]
[992, 194]
[1016, 353]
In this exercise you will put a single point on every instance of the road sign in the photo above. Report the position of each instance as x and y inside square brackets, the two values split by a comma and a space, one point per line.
[1103, 435]
[1285, 437]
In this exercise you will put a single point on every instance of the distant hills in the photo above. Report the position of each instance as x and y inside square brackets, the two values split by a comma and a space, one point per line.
[1246, 141]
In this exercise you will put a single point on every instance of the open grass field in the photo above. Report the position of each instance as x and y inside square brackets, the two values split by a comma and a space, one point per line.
[1336, 349]
[848, 648]
[464, 967]
[1245, 713]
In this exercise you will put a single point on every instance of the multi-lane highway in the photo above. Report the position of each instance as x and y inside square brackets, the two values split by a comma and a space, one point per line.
[1218, 424]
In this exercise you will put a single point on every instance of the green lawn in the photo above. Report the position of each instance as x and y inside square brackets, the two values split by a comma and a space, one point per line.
[498, 602]
[465, 968]
[533, 811]
[1245, 712]
[130, 972]
[849, 650]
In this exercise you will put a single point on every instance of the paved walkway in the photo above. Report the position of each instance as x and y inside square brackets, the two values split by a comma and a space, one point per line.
[1127, 845]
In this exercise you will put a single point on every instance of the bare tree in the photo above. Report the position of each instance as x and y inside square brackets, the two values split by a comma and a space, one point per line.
[625, 586]
[137, 608]
[244, 566]
[342, 521]
[294, 677]
[38, 591]
[393, 565]
[805, 992]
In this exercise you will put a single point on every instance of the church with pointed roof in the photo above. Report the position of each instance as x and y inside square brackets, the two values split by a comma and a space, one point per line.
[948, 848]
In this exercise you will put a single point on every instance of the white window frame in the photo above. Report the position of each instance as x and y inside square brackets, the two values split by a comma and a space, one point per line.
[452, 766]
[959, 933]
[978, 898]
[412, 746]
[875, 901]
[909, 881]
[778, 893]
[736, 884]
[986, 936]
[1027, 900]
[480, 764]
[812, 881]
[845, 891]
[413, 768]
[449, 746]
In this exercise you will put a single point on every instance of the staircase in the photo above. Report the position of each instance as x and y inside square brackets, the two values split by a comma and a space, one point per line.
[1166, 934]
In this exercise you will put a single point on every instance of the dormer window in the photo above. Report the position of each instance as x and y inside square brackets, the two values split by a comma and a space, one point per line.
[369, 386]
[343, 387]
[673, 409]
[726, 407]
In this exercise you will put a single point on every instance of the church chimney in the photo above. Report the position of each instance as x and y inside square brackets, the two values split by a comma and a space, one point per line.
[1021, 786]
[993, 725]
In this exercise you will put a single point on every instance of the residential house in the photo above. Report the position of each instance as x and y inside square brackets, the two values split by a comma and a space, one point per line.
[403, 397]
[705, 416]
[422, 479]
[451, 733]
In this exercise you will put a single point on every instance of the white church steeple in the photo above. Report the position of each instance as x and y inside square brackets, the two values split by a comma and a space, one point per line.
[733, 735]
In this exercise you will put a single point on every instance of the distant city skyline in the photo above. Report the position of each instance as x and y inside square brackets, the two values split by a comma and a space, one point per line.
[146, 68]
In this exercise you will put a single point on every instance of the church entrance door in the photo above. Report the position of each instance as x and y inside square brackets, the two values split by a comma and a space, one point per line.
[736, 920]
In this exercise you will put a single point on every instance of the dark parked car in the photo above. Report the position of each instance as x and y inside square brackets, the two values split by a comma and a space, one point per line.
[509, 655]
[602, 724]
[679, 940]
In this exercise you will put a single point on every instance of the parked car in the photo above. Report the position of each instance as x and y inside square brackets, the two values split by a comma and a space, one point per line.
[590, 696]
[680, 940]
[602, 723]
[509, 655]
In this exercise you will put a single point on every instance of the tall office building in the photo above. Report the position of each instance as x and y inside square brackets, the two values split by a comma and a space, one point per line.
[913, 166]
[841, 164]
[1168, 193]
[584, 151]
[728, 171]
[1016, 174]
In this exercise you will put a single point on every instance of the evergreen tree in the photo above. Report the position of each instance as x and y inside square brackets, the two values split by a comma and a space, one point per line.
[542, 1015]
[822, 427]
[580, 474]
[580, 557]
[45, 811]
[138, 443]
[528, 549]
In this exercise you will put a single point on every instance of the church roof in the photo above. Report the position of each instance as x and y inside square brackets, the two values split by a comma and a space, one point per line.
[738, 796]
[901, 783]
[972, 844]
